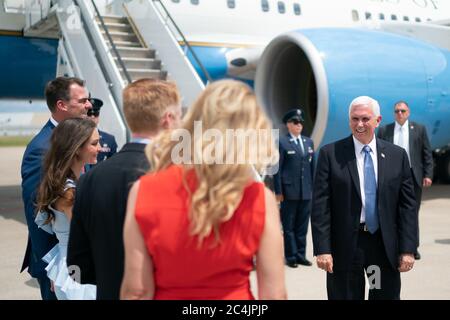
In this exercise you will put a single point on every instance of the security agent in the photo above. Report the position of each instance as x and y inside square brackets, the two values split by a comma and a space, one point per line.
[107, 141]
[293, 187]
[412, 137]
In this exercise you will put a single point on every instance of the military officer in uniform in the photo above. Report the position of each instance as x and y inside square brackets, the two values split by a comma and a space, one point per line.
[107, 141]
[293, 187]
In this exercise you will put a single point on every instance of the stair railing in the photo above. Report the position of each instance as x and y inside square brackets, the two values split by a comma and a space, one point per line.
[188, 46]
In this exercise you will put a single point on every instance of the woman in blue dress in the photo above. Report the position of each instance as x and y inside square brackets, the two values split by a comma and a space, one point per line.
[74, 143]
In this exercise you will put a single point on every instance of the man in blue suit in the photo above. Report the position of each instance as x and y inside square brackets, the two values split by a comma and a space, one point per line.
[293, 187]
[66, 98]
[107, 141]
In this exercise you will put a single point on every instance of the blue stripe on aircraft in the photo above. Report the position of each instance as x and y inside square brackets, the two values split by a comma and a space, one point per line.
[212, 58]
[27, 64]
[214, 61]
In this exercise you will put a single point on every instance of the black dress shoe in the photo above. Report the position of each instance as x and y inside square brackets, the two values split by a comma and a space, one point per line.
[304, 262]
[291, 264]
[417, 256]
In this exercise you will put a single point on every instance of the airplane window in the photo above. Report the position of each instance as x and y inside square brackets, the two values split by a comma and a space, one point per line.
[176, 1]
[231, 4]
[195, 2]
[393, 17]
[381, 16]
[297, 9]
[405, 18]
[355, 15]
[418, 20]
[368, 16]
[265, 5]
[429, 20]
[281, 7]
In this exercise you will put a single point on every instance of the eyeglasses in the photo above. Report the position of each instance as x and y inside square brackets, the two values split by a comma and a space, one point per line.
[400, 110]
[93, 113]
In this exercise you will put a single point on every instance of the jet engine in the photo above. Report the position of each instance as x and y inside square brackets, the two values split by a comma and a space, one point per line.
[323, 70]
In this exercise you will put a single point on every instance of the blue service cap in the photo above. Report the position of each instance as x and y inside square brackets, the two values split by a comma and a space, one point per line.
[96, 104]
[293, 114]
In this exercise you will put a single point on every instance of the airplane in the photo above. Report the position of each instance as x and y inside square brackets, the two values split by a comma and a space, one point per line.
[313, 54]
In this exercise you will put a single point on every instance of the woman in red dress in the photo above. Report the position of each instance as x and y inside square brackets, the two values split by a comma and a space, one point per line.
[195, 224]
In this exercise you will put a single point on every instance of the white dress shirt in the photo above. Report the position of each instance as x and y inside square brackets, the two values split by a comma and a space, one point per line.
[140, 140]
[405, 129]
[55, 123]
[359, 152]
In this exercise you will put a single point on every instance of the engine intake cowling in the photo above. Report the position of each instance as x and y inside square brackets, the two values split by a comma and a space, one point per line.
[323, 70]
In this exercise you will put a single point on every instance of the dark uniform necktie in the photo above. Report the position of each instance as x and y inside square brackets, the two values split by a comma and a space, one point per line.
[300, 144]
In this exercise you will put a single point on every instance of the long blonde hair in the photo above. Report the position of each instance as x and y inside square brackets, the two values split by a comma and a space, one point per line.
[223, 105]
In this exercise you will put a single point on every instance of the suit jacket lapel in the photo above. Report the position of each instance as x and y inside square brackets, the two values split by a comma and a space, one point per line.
[351, 164]
[381, 158]
[412, 133]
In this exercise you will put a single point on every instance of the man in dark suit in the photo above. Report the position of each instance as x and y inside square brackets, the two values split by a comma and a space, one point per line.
[293, 187]
[107, 141]
[363, 213]
[66, 98]
[412, 137]
[95, 242]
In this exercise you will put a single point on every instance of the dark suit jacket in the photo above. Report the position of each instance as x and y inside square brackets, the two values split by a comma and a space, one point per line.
[336, 207]
[108, 144]
[95, 242]
[39, 241]
[294, 178]
[419, 149]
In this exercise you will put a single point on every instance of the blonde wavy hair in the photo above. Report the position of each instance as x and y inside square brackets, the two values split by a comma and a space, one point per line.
[223, 105]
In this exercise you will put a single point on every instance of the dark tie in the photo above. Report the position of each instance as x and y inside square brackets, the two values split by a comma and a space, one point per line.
[300, 145]
[370, 191]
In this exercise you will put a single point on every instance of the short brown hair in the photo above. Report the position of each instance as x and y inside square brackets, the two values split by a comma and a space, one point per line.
[146, 100]
[59, 89]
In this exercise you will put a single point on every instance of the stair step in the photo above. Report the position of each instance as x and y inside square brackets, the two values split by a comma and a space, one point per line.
[113, 19]
[140, 63]
[136, 74]
[120, 36]
[116, 27]
[134, 52]
[130, 44]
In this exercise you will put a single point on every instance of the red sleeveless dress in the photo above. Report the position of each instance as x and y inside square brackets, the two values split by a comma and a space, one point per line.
[182, 269]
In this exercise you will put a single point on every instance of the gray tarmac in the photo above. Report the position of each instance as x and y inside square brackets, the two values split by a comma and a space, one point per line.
[430, 278]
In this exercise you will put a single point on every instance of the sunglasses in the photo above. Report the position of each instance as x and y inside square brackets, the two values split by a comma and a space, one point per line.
[400, 110]
[91, 113]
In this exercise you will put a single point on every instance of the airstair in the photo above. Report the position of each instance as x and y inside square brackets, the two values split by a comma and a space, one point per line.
[140, 61]
[112, 43]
